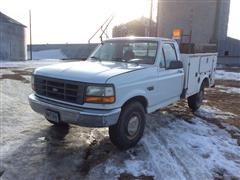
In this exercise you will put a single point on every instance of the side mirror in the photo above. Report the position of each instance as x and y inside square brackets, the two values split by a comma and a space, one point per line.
[175, 65]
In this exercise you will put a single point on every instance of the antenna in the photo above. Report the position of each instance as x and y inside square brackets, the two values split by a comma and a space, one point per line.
[104, 30]
[106, 24]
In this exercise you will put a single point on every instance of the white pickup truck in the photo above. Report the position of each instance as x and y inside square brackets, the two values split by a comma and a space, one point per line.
[121, 81]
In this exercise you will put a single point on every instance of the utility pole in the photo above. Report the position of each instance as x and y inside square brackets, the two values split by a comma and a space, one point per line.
[150, 18]
[30, 31]
[157, 18]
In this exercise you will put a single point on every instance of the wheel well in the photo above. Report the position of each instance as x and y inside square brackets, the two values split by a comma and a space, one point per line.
[205, 82]
[140, 99]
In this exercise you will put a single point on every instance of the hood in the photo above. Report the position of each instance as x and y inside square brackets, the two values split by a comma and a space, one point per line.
[87, 71]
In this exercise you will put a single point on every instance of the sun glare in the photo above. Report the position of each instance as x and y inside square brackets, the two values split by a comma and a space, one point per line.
[72, 21]
[234, 20]
[126, 10]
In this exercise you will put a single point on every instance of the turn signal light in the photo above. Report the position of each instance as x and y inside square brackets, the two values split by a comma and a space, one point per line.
[100, 99]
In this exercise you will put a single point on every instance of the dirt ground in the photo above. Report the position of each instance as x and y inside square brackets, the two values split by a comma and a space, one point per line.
[31, 148]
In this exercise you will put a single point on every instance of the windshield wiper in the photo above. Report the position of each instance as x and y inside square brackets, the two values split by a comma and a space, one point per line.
[95, 58]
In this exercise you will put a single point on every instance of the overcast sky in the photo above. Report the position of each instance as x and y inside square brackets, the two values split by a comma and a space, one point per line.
[74, 21]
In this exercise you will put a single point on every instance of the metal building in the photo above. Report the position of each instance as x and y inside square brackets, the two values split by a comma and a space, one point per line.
[228, 52]
[203, 22]
[12, 39]
[138, 27]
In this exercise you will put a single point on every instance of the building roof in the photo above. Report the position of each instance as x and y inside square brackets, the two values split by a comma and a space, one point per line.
[6, 19]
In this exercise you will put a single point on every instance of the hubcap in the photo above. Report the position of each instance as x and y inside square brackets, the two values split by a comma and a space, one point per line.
[133, 125]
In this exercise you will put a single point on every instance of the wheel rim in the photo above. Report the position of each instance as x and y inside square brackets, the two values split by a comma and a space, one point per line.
[133, 126]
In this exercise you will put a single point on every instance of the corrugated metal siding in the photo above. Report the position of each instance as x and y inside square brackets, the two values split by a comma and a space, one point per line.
[229, 47]
[12, 39]
[206, 20]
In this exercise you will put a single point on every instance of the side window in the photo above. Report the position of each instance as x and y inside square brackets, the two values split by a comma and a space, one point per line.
[169, 53]
[145, 51]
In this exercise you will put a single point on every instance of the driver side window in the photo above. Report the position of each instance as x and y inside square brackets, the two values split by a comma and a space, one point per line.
[169, 53]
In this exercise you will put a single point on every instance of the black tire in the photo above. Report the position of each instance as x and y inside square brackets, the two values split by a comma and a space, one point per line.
[125, 134]
[196, 100]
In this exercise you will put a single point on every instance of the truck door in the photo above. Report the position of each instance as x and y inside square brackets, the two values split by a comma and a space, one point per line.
[170, 81]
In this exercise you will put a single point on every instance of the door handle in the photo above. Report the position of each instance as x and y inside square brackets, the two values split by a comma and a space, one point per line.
[180, 71]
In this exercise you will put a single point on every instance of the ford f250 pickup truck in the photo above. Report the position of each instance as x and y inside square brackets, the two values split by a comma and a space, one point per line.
[121, 81]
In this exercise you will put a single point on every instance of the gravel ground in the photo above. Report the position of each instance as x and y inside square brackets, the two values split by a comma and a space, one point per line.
[177, 144]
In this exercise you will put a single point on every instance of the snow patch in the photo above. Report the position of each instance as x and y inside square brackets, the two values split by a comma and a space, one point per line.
[176, 149]
[190, 150]
[110, 169]
[29, 63]
[212, 112]
[134, 167]
[138, 168]
[224, 75]
[231, 128]
[229, 90]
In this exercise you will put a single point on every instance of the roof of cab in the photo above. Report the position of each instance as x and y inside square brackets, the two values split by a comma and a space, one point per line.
[140, 38]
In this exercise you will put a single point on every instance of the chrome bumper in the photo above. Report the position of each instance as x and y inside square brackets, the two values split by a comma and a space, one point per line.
[75, 115]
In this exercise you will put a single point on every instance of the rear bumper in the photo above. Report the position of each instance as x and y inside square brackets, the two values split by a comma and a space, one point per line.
[75, 115]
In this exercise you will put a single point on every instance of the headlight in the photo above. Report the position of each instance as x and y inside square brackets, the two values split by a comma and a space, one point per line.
[32, 82]
[100, 94]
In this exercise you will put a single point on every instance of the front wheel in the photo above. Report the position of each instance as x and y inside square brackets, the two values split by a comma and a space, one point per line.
[196, 100]
[130, 127]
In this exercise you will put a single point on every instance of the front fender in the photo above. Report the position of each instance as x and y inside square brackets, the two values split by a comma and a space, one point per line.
[132, 94]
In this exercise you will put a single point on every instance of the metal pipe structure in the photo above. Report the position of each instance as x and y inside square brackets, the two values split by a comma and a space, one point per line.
[101, 27]
[104, 30]
[30, 31]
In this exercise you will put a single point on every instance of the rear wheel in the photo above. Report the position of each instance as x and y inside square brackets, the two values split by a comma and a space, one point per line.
[130, 127]
[196, 100]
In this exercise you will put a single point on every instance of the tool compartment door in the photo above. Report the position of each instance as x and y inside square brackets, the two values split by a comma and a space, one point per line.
[206, 64]
[192, 76]
[196, 67]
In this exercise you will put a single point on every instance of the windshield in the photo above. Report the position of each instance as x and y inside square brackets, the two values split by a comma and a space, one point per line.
[142, 52]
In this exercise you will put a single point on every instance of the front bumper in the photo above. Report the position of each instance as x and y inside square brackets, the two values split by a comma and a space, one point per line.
[75, 115]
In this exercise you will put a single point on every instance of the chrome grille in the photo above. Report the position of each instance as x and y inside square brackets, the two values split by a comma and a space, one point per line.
[64, 90]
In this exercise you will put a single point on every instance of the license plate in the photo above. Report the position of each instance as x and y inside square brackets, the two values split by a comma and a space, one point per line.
[52, 116]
